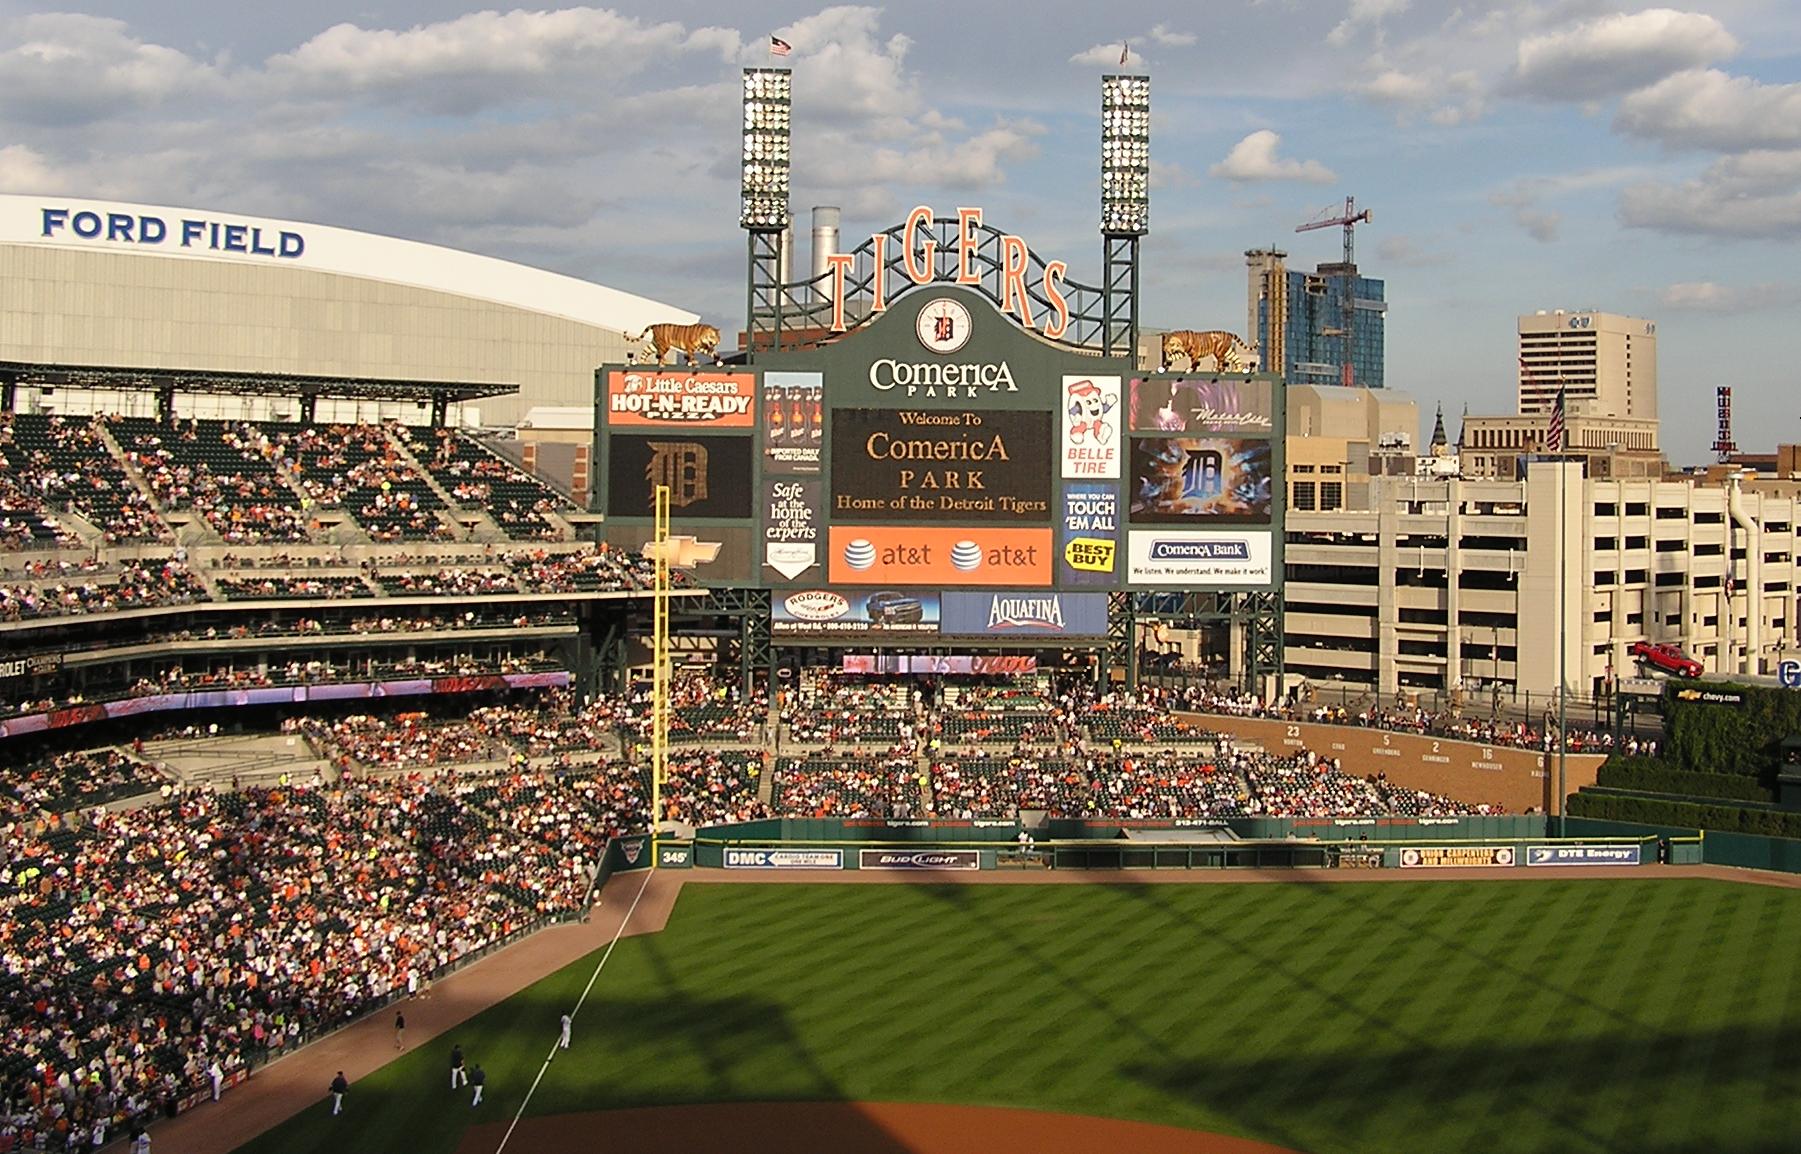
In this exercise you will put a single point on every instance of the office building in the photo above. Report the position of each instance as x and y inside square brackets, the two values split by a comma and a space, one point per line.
[1448, 584]
[1606, 364]
[1296, 320]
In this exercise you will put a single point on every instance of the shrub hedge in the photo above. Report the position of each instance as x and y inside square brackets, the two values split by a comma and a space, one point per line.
[1654, 811]
[1654, 775]
[1743, 738]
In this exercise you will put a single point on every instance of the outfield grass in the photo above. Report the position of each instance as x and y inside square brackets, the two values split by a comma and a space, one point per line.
[1642, 1017]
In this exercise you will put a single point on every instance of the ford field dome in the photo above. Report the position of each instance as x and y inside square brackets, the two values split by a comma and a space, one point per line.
[87, 283]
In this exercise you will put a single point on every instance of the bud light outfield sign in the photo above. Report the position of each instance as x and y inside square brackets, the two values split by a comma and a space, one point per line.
[919, 859]
[1024, 613]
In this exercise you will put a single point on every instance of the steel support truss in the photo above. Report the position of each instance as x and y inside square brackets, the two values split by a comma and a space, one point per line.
[1258, 615]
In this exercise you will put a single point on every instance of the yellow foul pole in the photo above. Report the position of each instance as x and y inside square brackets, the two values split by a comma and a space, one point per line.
[659, 684]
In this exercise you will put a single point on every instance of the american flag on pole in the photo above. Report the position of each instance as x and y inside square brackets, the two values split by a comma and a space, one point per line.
[779, 47]
[1125, 52]
[1554, 431]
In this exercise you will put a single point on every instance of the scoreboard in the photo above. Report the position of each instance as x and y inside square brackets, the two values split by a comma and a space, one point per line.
[942, 471]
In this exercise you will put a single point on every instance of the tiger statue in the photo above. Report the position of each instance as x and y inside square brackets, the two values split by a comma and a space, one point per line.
[1229, 352]
[695, 341]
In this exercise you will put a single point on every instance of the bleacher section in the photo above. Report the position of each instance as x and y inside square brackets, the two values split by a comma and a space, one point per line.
[225, 471]
[834, 787]
[478, 479]
[48, 463]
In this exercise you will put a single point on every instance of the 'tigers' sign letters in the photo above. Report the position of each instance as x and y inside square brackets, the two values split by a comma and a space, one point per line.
[919, 250]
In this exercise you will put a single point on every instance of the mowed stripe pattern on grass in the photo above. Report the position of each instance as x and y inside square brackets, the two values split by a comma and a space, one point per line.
[1553, 1016]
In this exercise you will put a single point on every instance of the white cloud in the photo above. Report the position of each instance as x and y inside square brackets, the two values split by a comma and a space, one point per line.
[1365, 14]
[24, 170]
[1445, 98]
[1711, 296]
[1708, 109]
[1161, 34]
[1757, 195]
[1541, 224]
[1254, 159]
[1618, 53]
[65, 67]
[1107, 56]
[487, 57]
[1405, 251]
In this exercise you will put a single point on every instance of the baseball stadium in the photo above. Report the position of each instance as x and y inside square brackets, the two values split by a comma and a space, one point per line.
[868, 731]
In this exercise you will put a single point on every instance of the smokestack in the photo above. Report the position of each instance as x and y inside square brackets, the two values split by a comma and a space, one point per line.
[825, 239]
[784, 261]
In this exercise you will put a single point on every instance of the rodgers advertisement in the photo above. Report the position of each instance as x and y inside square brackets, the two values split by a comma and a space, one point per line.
[827, 612]
[952, 465]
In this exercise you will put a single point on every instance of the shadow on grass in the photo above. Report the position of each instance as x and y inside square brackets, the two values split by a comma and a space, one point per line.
[1548, 1085]
[1540, 1095]
[671, 1049]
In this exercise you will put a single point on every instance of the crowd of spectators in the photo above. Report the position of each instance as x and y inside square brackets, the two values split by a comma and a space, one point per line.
[139, 584]
[223, 470]
[713, 788]
[139, 948]
[60, 782]
[49, 463]
[887, 786]
[1514, 733]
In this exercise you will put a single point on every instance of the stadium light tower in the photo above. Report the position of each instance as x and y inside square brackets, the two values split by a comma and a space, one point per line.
[1125, 204]
[763, 195]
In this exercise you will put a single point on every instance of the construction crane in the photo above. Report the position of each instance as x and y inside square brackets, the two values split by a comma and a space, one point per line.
[1349, 219]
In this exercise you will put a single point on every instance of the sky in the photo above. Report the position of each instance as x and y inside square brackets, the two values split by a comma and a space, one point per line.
[1516, 156]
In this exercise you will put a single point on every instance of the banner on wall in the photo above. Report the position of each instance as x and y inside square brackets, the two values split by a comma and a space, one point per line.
[935, 556]
[950, 465]
[1088, 540]
[1202, 405]
[1189, 556]
[1024, 613]
[826, 612]
[792, 526]
[707, 476]
[793, 422]
[1090, 441]
[658, 398]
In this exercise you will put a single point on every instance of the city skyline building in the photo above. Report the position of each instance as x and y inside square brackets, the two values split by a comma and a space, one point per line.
[1295, 320]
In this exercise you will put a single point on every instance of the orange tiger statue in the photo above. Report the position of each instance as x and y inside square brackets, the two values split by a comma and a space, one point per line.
[1229, 352]
[694, 341]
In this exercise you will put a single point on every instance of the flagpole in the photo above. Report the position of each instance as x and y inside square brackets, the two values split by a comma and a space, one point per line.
[1563, 645]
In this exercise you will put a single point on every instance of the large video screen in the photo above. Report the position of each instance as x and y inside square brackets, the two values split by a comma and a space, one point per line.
[1217, 480]
[941, 465]
[707, 476]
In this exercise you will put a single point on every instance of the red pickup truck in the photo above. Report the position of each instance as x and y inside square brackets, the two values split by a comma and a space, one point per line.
[1667, 658]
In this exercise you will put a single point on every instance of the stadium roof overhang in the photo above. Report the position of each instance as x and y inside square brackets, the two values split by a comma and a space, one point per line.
[236, 384]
